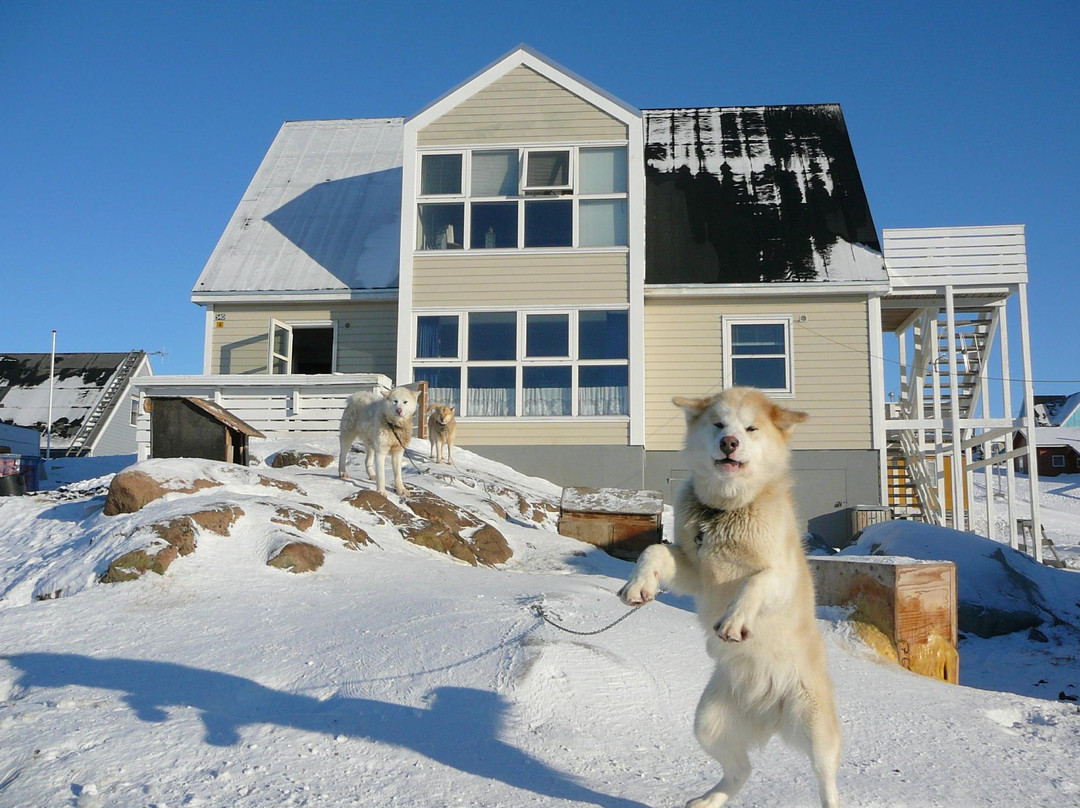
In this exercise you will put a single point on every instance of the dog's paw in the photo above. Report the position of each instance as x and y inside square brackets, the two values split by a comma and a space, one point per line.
[733, 627]
[344, 475]
[639, 590]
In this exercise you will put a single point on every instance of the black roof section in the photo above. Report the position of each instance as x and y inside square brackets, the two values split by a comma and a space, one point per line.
[755, 195]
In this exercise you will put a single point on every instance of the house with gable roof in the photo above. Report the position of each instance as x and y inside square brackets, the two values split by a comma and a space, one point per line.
[557, 264]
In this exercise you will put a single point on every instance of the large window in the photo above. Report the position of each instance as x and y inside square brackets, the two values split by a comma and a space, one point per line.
[530, 364]
[758, 353]
[523, 199]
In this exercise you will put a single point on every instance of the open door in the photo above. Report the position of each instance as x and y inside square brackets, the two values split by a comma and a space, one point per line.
[279, 349]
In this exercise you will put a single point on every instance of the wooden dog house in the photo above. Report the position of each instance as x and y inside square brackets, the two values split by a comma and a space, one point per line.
[622, 522]
[186, 426]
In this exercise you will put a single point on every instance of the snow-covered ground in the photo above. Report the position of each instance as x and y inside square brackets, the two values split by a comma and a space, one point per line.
[395, 676]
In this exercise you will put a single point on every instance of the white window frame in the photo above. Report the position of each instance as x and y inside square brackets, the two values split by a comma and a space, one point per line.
[525, 193]
[786, 320]
[521, 361]
[566, 189]
[1054, 461]
[287, 357]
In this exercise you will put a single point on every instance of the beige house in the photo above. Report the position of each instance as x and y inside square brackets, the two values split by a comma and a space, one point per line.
[558, 264]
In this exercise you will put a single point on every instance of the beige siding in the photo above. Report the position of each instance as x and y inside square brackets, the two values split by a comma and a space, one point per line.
[684, 356]
[545, 433]
[480, 279]
[521, 107]
[366, 335]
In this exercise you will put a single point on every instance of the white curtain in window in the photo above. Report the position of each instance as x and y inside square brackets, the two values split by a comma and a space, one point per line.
[602, 223]
[603, 171]
[547, 401]
[444, 395]
[491, 401]
[495, 173]
[611, 400]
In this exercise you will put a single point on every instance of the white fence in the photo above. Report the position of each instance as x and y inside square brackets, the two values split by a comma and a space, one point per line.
[277, 406]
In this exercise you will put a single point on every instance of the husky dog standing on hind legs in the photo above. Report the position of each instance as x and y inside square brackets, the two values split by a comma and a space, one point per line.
[738, 552]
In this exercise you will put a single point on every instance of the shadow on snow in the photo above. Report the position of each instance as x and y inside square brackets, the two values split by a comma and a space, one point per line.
[459, 728]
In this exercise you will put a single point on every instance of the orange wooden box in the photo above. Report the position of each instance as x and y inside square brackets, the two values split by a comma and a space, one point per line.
[911, 602]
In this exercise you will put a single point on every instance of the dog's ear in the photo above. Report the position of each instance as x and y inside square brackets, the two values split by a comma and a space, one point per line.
[691, 407]
[451, 409]
[785, 420]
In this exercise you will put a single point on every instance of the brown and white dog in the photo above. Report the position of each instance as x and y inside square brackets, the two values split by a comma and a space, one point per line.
[383, 421]
[738, 552]
[441, 429]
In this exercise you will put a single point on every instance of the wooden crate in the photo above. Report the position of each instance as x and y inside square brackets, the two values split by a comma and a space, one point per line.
[902, 605]
[620, 521]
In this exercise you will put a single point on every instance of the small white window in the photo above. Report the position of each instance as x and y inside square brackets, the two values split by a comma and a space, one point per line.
[548, 171]
[758, 353]
[1057, 461]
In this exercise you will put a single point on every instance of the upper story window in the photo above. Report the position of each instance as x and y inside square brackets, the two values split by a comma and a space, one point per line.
[484, 199]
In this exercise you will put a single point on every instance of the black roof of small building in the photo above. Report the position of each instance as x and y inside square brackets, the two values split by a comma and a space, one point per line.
[755, 195]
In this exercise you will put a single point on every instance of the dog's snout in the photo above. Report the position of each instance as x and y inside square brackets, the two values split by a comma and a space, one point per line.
[728, 444]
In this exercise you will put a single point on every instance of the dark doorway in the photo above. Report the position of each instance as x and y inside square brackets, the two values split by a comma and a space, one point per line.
[313, 350]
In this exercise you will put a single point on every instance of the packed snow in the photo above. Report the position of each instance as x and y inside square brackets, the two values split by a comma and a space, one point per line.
[397, 676]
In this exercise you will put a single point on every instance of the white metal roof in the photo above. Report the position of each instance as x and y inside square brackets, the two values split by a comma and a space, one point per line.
[322, 214]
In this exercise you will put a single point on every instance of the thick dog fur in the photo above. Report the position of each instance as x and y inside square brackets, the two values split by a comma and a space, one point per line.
[737, 551]
[384, 423]
[441, 429]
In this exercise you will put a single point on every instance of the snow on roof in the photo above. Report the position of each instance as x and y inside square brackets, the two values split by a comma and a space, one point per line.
[756, 194]
[80, 379]
[1046, 436]
[321, 214]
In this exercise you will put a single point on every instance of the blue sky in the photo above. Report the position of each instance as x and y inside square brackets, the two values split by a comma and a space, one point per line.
[131, 129]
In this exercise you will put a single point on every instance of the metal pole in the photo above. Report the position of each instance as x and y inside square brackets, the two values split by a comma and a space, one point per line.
[52, 374]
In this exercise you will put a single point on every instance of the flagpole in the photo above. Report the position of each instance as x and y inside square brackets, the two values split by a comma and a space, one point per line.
[52, 373]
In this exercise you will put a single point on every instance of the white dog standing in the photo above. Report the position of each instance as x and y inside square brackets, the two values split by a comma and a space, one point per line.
[383, 421]
[738, 552]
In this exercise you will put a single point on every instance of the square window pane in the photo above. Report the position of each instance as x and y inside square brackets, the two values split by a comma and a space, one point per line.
[437, 336]
[768, 374]
[494, 224]
[441, 227]
[603, 334]
[495, 173]
[549, 223]
[547, 169]
[493, 336]
[492, 391]
[444, 385]
[603, 171]
[440, 174]
[603, 390]
[547, 335]
[546, 390]
[602, 223]
[757, 339]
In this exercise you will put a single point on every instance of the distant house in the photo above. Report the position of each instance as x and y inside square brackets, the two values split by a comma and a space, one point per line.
[1057, 449]
[558, 264]
[1058, 410]
[91, 401]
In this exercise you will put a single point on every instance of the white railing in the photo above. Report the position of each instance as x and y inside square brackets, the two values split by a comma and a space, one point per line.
[277, 406]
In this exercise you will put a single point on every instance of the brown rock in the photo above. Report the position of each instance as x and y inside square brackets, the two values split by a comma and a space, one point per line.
[437, 509]
[293, 457]
[179, 532]
[376, 503]
[425, 533]
[490, 546]
[137, 563]
[301, 520]
[131, 490]
[298, 556]
[353, 536]
[217, 520]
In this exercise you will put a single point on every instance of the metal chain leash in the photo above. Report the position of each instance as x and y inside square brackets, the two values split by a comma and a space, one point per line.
[539, 610]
